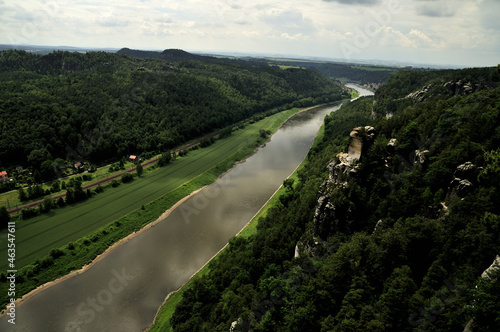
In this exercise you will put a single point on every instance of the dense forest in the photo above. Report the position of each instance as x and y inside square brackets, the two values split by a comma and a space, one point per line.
[63, 108]
[358, 73]
[351, 72]
[396, 240]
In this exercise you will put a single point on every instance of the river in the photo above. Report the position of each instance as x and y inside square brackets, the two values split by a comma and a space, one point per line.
[123, 290]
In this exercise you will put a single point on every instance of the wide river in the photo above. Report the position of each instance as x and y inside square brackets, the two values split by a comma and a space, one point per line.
[123, 290]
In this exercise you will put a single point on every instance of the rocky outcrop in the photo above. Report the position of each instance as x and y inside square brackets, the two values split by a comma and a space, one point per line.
[420, 95]
[464, 179]
[420, 157]
[330, 214]
[333, 213]
[358, 140]
[378, 226]
[464, 88]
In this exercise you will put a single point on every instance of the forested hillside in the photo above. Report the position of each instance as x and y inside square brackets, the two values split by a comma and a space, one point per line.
[99, 107]
[395, 240]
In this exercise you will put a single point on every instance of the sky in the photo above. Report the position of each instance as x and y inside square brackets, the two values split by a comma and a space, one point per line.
[441, 32]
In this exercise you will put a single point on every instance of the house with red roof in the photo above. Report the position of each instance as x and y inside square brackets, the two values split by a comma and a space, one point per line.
[3, 176]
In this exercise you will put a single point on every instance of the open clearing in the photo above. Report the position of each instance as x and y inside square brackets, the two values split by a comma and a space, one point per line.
[37, 236]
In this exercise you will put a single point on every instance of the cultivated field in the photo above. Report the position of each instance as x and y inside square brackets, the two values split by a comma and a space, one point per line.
[37, 236]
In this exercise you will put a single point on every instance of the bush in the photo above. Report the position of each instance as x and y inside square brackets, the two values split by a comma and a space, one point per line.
[55, 253]
[47, 261]
[127, 177]
[115, 183]
[164, 159]
[225, 132]
[60, 202]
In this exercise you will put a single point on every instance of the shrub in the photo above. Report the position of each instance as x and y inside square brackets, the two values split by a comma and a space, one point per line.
[127, 177]
[47, 261]
[60, 202]
[55, 253]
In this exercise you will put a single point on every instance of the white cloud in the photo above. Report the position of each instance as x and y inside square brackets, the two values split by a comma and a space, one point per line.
[439, 29]
[356, 2]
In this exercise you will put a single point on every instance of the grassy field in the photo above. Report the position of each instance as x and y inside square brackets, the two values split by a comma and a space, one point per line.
[37, 236]
[162, 321]
[11, 199]
[73, 255]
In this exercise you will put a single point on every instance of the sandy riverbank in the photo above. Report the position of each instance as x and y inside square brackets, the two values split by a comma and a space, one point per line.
[101, 256]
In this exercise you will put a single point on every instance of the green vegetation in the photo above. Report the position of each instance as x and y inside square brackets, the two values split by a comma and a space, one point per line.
[418, 269]
[162, 320]
[90, 227]
[64, 108]
[341, 71]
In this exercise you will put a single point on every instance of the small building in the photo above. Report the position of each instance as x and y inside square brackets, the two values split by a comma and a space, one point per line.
[78, 165]
[132, 158]
[3, 176]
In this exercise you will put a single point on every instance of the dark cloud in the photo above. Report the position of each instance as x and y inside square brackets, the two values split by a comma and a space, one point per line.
[436, 9]
[356, 2]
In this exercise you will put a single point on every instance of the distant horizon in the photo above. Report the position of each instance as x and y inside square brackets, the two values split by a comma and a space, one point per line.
[439, 32]
[372, 62]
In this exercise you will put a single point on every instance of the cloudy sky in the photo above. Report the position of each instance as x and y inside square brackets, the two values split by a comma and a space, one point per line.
[445, 32]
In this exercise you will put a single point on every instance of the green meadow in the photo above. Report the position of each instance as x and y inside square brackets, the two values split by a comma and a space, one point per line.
[37, 236]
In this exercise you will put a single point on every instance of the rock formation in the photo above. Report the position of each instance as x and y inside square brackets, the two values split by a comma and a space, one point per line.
[420, 157]
[357, 142]
[419, 95]
[464, 179]
[330, 217]
[464, 88]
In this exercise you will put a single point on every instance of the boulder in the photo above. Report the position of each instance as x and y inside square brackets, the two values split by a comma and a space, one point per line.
[391, 147]
[464, 178]
[420, 157]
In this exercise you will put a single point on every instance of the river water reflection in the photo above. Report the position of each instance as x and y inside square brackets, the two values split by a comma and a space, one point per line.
[123, 290]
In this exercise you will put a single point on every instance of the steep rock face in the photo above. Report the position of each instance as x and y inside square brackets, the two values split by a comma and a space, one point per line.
[333, 214]
[464, 88]
[357, 141]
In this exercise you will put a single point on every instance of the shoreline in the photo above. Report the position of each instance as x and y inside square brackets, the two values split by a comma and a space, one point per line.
[101, 256]
[152, 324]
[164, 215]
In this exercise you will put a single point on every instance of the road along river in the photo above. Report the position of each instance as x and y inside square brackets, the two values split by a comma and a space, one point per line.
[123, 290]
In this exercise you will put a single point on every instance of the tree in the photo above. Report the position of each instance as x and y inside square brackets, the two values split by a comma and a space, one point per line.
[139, 169]
[4, 217]
[484, 299]
[164, 159]
[22, 195]
[47, 204]
[126, 177]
